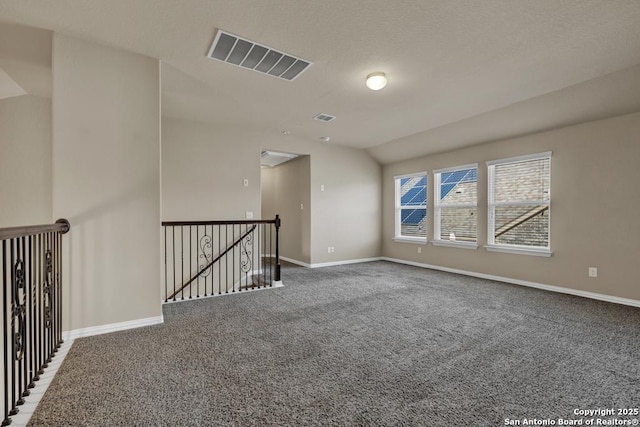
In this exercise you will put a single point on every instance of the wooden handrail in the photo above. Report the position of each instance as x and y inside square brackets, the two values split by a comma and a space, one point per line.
[61, 226]
[232, 222]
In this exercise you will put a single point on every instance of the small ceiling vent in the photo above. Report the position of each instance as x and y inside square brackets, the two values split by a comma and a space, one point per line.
[273, 158]
[323, 117]
[247, 54]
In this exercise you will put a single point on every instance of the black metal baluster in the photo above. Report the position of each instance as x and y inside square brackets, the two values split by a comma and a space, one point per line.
[12, 261]
[213, 285]
[32, 305]
[244, 268]
[59, 311]
[54, 295]
[261, 275]
[6, 421]
[38, 305]
[233, 259]
[277, 225]
[181, 262]
[49, 298]
[270, 254]
[253, 255]
[226, 263]
[246, 254]
[173, 246]
[190, 258]
[199, 248]
[22, 324]
[166, 291]
[219, 263]
[41, 297]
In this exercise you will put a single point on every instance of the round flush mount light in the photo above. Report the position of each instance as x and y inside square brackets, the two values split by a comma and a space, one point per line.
[376, 81]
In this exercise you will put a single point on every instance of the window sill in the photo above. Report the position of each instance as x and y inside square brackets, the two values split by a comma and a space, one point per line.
[543, 252]
[414, 240]
[457, 244]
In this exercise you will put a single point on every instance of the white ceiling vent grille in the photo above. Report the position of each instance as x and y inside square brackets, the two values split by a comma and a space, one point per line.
[247, 54]
[273, 158]
[324, 117]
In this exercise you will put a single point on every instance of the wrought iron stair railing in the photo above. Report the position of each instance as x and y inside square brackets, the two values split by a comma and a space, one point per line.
[31, 277]
[207, 258]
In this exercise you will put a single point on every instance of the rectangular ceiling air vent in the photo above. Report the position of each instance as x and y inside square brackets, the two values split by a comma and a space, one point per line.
[244, 53]
[273, 158]
[324, 117]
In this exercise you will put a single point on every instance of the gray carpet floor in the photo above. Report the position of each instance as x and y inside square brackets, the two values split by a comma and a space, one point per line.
[377, 344]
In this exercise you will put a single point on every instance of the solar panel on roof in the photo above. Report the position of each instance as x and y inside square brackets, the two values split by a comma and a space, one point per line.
[413, 216]
[416, 196]
[449, 180]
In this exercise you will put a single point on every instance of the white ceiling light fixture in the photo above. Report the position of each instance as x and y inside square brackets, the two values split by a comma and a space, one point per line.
[376, 81]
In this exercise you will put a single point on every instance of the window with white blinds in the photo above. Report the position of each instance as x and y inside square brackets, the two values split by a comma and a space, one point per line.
[519, 204]
[411, 207]
[455, 206]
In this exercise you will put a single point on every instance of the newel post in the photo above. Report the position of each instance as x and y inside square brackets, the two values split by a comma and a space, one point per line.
[277, 224]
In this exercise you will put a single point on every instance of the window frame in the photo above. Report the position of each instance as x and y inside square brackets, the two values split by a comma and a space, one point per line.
[437, 208]
[398, 237]
[492, 204]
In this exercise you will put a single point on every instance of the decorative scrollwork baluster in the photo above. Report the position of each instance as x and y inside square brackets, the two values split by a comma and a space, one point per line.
[246, 259]
[205, 255]
[18, 310]
[47, 288]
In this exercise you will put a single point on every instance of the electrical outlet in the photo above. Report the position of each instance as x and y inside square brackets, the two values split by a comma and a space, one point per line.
[593, 272]
[248, 215]
[419, 250]
[245, 182]
[328, 249]
[301, 206]
[322, 187]
[333, 249]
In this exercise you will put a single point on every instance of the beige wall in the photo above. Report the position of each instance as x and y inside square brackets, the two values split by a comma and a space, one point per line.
[203, 170]
[203, 167]
[286, 192]
[346, 215]
[594, 209]
[25, 161]
[106, 180]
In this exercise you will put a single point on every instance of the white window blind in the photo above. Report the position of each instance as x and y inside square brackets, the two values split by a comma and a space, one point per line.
[455, 205]
[519, 202]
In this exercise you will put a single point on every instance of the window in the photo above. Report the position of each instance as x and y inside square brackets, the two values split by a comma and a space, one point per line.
[455, 206]
[519, 204]
[411, 208]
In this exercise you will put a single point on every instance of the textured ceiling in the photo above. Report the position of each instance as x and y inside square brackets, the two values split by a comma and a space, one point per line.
[451, 64]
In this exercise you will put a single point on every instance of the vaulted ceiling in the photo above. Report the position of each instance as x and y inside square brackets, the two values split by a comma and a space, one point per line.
[460, 72]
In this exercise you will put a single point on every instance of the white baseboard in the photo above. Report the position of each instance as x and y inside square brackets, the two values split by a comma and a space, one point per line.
[329, 264]
[113, 327]
[559, 289]
[31, 402]
[349, 261]
[295, 261]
